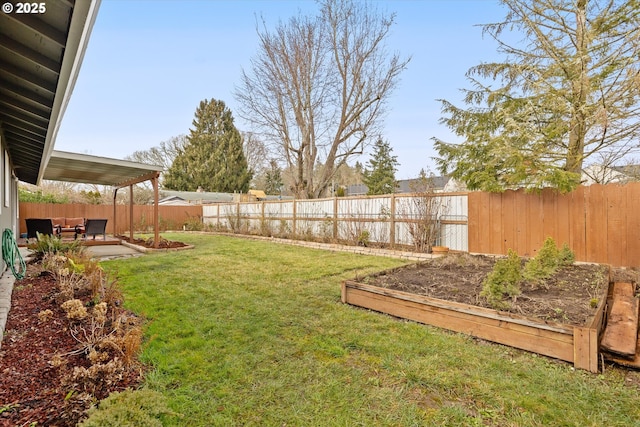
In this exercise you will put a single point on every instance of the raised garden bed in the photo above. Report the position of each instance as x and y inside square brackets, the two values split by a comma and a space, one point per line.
[533, 323]
[147, 245]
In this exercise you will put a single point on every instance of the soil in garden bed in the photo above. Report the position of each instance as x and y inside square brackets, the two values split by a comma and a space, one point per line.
[148, 243]
[569, 297]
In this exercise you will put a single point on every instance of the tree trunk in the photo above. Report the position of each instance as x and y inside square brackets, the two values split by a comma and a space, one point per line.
[577, 133]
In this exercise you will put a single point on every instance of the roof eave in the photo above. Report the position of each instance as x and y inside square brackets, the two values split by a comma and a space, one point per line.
[82, 20]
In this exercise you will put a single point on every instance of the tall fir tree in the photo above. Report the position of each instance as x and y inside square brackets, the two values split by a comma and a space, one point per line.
[212, 158]
[380, 173]
[273, 180]
[567, 94]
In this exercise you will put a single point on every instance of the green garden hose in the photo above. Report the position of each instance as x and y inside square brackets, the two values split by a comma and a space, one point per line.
[9, 251]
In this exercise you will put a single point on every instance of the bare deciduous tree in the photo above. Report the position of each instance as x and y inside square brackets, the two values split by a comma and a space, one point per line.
[256, 153]
[318, 86]
[162, 155]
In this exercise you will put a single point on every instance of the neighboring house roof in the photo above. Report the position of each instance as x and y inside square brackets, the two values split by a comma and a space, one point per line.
[357, 189]
[602, 174]
[174, 201]
[206, 197]
[258, 194]
[198, 197]
[40, 57]
[631, 172]
[404, 186]
[413, 185]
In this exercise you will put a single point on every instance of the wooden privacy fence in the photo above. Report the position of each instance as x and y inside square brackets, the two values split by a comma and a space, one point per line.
[385, 219]
[170, 217]
[600, 223]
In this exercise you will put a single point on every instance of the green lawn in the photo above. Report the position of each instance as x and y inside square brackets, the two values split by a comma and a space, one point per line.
[244, 332]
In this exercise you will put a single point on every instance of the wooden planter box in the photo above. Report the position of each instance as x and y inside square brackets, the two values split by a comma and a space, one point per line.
[578, 345]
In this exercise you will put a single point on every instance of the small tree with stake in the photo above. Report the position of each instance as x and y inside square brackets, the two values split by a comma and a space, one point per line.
[423, 214]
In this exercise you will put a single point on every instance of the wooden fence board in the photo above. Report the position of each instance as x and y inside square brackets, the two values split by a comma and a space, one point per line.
[621, 334]
[562, 231]
[522, 221]
[616, 242]
[549, 213]
[473, 208]
[535, 214]
[633, 225]
[170, 217]
[599, 223]
[596, 224]
[577, 215]
[509, 218]
[494, 226]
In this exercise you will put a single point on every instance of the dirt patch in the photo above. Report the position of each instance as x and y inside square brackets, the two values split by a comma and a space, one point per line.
[149, 243]
[569, 297]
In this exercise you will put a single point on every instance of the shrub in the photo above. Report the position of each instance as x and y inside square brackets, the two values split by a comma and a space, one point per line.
[193, 223]
[45, 243]
[363, 238]
[567, 257]
[75, 309]
[266, 228]
[107, 335]
[75, 273]
[547, 261]
[131, 408]
[503, 281]
[326, 229]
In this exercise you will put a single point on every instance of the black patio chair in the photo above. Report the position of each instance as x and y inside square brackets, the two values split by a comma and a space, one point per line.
[93, 227]
[39, 225]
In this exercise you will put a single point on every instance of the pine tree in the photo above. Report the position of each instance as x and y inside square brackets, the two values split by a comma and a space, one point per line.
[566, 93]
[273, 180]
[212, 157]
[379, 175]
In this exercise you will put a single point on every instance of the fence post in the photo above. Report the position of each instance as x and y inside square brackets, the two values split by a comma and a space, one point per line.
[392, 222]
[293, 223]
[335, 219]
[238, 217]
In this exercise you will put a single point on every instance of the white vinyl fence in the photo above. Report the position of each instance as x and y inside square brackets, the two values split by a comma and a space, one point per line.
[383, 219]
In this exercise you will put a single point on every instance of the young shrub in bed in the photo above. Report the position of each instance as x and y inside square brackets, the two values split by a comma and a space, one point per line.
[567, 256]
[548, 260]
[46, 244]
[503, 281]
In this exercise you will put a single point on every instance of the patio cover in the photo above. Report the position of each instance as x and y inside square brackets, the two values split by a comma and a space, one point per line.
[86, 169]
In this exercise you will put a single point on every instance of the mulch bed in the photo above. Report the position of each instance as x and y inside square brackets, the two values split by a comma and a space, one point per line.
[31, 387]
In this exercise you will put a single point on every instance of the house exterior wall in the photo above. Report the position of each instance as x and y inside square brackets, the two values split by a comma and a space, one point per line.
[8, 197]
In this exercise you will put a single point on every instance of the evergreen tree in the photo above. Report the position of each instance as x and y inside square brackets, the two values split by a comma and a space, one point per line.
[212, 157]
[273, 180]
[567, 92]
[422, 184]
[379, 175]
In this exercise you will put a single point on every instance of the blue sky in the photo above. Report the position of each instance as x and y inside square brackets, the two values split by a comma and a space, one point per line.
[150, 62]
